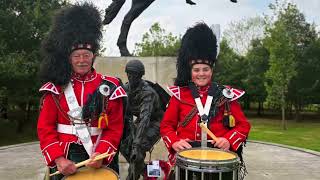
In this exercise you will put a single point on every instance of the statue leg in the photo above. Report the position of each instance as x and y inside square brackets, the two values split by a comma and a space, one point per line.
[138, 6]
[112, 10]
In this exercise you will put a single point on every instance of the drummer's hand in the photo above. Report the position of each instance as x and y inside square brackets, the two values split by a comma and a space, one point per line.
[180, 145]
[65, 166]
[95, 164]
[222, 143]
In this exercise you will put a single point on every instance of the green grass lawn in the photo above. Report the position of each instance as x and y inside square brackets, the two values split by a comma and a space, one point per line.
[300, 134]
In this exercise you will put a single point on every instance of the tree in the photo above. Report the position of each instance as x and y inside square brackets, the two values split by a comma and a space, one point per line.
[23, 26]
[285, 38]
[240, 34]
[257, 59]
[157, 42]
[304, 88]
[229, 69]
[302, 36]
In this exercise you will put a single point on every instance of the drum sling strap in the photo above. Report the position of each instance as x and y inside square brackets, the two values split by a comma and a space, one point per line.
[75, 115]
[203, 111]
[217, 100]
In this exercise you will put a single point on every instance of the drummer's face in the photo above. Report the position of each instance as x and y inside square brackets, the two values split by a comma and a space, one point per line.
[81, 61]
[201, 74]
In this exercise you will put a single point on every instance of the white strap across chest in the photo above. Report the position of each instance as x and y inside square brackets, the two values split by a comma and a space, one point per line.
[204, 111]
[70, 129]
[75, 112]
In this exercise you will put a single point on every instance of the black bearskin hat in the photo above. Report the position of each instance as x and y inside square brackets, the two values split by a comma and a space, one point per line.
[135, 66]
[198, 46]
[74, 27]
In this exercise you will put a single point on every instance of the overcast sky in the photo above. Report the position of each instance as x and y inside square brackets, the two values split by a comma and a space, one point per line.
[176, 16]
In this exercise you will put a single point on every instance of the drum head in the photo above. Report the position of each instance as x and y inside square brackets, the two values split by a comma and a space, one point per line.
[93, 174]
[207, 160]
[207, 154]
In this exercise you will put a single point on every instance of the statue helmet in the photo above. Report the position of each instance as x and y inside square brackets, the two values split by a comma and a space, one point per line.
[74, 27]
[135, 66]
[198, 46]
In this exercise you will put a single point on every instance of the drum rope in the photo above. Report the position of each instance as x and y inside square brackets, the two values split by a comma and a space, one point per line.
[242, 170]
[242, 167]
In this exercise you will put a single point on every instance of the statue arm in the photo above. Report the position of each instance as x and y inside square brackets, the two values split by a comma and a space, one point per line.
[146, 108]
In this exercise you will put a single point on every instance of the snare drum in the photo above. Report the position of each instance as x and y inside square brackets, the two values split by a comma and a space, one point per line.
[206, 163]
[93, 174]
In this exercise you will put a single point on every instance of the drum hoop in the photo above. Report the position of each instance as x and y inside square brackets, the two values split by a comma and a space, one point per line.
[230, 164]
[207, 169]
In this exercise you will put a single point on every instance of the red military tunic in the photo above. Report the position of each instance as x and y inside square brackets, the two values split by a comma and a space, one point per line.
[55, 144]
[181, 104]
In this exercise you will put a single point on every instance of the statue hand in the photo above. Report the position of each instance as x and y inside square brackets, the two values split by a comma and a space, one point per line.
[136, 155]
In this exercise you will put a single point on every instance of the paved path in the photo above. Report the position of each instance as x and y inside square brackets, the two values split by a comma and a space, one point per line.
[264, 162]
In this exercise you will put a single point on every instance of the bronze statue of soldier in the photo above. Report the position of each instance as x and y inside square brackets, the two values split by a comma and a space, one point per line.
[142, 132]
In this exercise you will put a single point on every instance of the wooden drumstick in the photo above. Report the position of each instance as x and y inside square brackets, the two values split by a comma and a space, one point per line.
[82, 163]
[203, 126]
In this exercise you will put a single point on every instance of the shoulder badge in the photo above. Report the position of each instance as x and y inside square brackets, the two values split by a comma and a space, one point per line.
[111, 79]
[104, 90]
[115, 89]
[49, 87]
[237, 93]
[119, 92]
[175, 91]
[232, 93]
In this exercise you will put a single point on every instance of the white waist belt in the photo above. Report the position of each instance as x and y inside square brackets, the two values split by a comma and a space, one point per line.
[70, 129]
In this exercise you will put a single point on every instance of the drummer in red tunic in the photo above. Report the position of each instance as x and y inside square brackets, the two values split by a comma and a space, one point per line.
[197, 98]
[81, 113]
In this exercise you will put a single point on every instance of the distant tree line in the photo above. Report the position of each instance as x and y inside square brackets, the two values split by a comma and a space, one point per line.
[274, 58]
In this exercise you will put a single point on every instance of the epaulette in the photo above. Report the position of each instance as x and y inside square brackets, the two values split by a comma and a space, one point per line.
[237, 92]
[49, 86]
[175, 91]
[119, 92]
[111, 79]
[116, 90]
